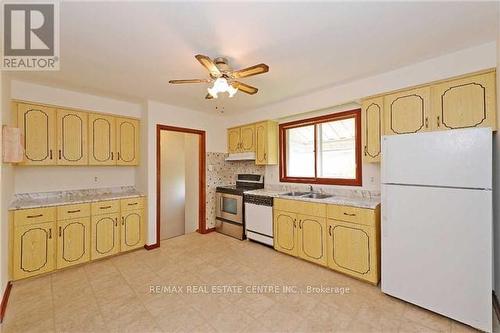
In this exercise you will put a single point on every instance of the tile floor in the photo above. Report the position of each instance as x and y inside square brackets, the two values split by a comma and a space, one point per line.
[113, 295]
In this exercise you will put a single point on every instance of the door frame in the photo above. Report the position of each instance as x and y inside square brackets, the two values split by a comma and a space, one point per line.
[202, 225]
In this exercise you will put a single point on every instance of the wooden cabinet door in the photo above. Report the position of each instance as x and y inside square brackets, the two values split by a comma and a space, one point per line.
[72, 145]
[261, 143]
[233, 140]
[407, 112]
[33, 251]
[248, 138]
[312, 239]
[285, 232]
[73, 242]
[132, 229]
[465, 103]
[372, 120]
[37, 124]
[127, 141]
[352, 249]
[105, 236]
[102, 137]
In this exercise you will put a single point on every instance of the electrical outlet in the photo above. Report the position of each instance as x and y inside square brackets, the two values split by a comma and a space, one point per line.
[96, 179]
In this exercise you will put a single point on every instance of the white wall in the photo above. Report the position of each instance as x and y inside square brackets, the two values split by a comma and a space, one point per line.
[164, 114]
[6, 181]
[40, 179]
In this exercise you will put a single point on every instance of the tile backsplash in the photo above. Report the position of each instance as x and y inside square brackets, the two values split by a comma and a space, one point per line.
[221, 172]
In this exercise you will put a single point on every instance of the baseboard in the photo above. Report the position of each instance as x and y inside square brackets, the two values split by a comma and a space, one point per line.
[205, 231]
[152, 246]
[496, 305]
[5, 300]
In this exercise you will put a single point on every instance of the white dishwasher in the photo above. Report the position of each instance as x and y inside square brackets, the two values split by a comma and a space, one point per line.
[259, 218]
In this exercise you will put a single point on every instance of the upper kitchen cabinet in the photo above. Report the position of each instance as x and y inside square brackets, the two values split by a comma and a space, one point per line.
[372, 122]
[233, 140]
[37, 124]
[247, 138]
[407, 112]
[127, 141]
[71, 131]
[465, 102]
[266, 143]
[102, 136]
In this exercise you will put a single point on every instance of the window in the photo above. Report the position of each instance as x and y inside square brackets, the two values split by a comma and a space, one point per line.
[322, 150]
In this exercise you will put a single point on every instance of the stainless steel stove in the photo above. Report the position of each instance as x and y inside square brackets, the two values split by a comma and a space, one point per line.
[229, 211]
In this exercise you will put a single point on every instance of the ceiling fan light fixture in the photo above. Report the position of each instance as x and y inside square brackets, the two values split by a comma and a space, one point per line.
[221, 85]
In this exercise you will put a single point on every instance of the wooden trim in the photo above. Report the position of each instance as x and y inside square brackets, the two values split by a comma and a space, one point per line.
[496, 306]
[358, 181]
[202, 228]
[5, 300]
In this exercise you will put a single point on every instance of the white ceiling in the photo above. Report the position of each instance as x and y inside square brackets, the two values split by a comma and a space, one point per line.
[131, 50]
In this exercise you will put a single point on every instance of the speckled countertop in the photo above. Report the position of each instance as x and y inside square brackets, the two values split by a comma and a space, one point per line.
[362, 199]
[58, 198]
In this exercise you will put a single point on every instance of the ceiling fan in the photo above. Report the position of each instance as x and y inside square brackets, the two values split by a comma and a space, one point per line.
[224, 77]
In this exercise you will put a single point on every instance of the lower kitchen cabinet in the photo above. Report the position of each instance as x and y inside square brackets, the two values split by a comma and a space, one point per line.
[132, 229]
[33, 249]
[73, 242]
[353, 249]
[105, 235]
[285, 232]
[312, 239]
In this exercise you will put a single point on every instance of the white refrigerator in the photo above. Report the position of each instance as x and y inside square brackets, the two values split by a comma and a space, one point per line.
[437, 222]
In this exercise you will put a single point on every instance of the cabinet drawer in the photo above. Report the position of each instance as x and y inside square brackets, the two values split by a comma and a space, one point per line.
[352, 214]
[132, 203]
[34, 215]
[301, 207]
[105, 207]
[68, 212]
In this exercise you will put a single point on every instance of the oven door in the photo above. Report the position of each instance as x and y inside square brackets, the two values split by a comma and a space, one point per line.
[229, 207]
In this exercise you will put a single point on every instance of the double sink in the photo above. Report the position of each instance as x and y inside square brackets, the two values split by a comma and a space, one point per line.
[311, 195]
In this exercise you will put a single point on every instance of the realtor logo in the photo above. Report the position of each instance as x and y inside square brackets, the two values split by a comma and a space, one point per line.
[31, 36]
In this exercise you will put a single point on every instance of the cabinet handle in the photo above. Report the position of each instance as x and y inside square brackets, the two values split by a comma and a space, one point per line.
[426, 122]
[104, 207]
[60, 231]
[123, 220]
[295, 223]
[118, 158]
[59, 153]
[50, 154]
[132, 204]
[116, 221]
[50, 233]
[348, 214]
[438, 122]
[300, 224]
[330, 230]
[34, 216]
[364, 151]
[265, 154]
[73, 211]
[112, 157]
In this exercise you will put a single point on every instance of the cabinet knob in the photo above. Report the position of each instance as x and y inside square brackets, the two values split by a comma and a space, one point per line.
[426, 122]
[60, 154]
[123, 220]
[438, 122]
[50, 233]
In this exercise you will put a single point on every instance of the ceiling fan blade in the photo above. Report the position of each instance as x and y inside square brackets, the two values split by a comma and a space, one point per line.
[244, 87]
[189, 81]
[209, 96]
[250, 71]
[208, 64]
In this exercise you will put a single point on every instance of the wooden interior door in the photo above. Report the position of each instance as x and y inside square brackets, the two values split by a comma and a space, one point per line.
[127, 141]
[372, 120]
[233, 140]
[407, 112]
[261, 143]
[102, 138]
[465, 103]
[285, 232]
[352, 249]
[73, 242]
[132, 230]
[33, 251]
[105, 235]
[248, 138]
[37, 124]
[72, 145]
[312, 239]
